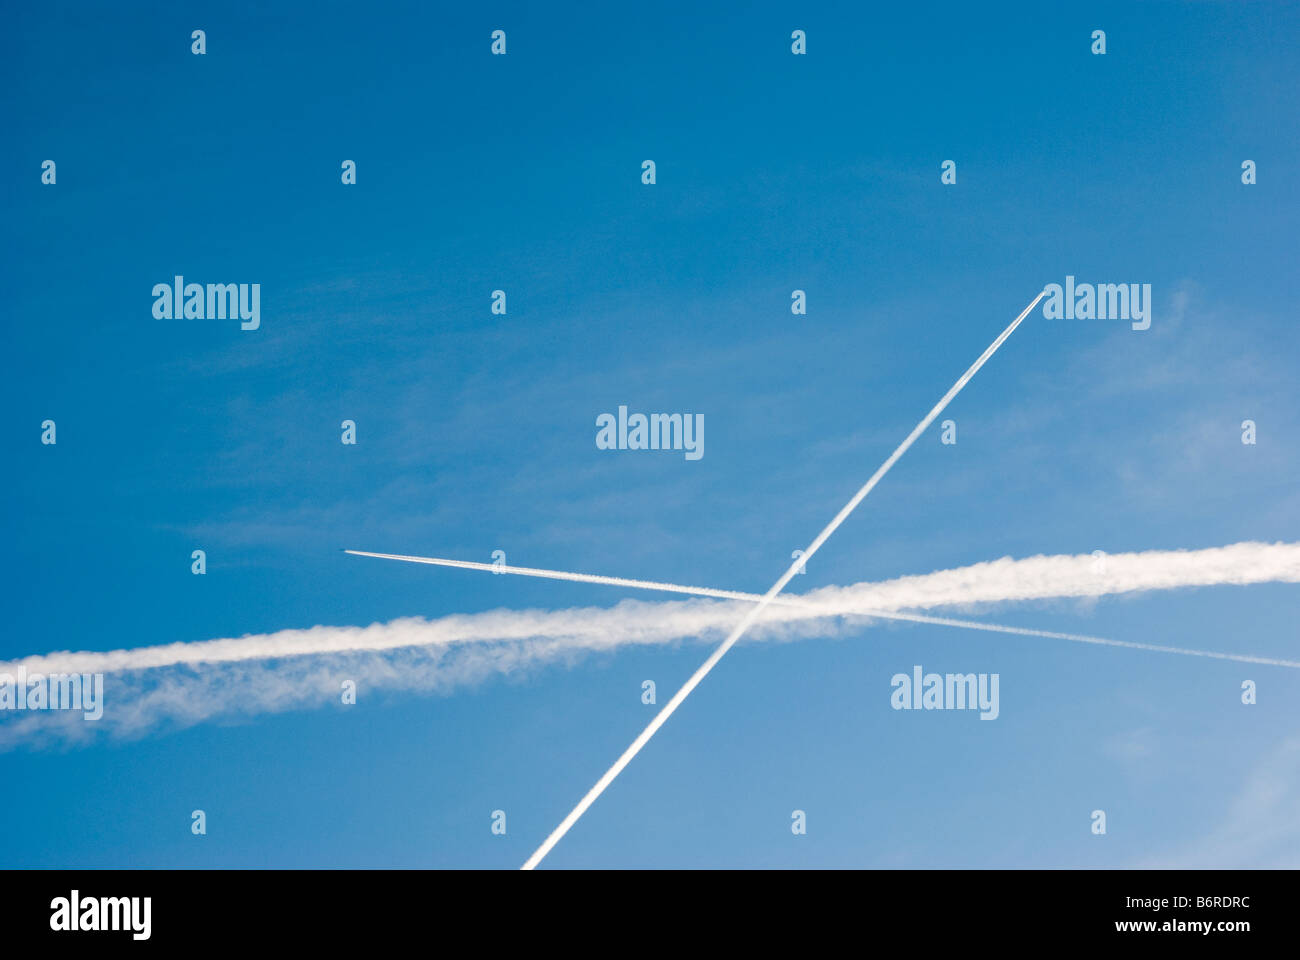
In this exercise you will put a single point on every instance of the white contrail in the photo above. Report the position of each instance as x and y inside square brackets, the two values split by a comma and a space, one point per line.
[828, 608]
[671, 706]
[996, 581]
[181, 684]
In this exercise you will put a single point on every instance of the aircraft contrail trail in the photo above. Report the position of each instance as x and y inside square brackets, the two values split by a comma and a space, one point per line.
[1004, 580]
[671, 706]
[827, 609]
[183, 683]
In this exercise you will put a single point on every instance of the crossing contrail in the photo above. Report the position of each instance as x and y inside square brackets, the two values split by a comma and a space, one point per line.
[671, 706]
[824, 608]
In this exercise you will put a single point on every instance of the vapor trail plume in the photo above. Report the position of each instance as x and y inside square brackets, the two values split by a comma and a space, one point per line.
[847, 606]
[181, 684]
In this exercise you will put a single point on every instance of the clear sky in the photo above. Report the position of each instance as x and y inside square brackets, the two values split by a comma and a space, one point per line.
[476, 431]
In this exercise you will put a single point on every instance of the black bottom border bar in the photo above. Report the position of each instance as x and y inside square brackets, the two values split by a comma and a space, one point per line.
[929, 908]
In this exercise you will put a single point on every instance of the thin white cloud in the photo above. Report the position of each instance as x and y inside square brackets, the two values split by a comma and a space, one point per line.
[1259, 829]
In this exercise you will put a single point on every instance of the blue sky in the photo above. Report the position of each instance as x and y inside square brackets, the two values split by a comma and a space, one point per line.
[476, 432]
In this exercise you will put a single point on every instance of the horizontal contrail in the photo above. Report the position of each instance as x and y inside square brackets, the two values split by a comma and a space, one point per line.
[754, 611]
[998, 581]
[827, 608]
[181, 684]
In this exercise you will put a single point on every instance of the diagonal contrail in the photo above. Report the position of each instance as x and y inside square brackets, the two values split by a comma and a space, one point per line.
[842, 608]
[671, 706]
